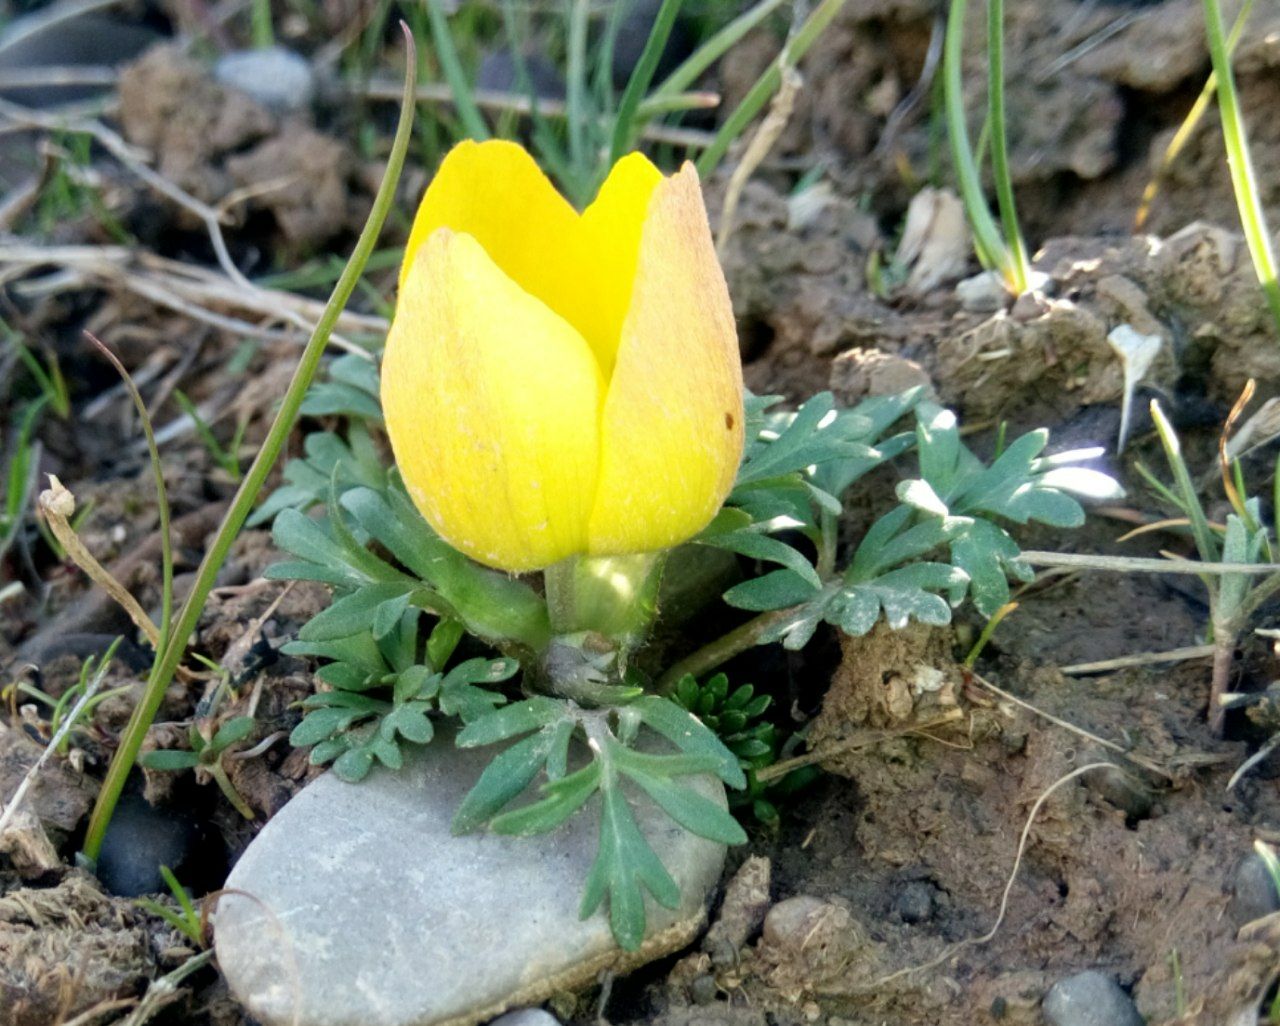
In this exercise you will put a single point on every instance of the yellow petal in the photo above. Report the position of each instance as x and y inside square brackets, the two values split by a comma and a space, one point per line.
[609, 233]
[581, 267]
[671, 428]
[492, 405]
[496, 193]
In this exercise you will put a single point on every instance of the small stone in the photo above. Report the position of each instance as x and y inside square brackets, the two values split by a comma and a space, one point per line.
[704, 989]
[1089, 998]
[501, 73]
[914, 903]
[1122, 789]
[983, 293]
[352, 883]
[279, 79]
[526, 1017]
[1253, 891]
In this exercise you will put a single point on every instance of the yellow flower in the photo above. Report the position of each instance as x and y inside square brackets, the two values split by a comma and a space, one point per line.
[558, 384]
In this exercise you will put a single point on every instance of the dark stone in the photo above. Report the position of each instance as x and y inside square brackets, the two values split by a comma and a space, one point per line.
[142, 838]
[500, 72]
[1089, 998]
[914, 903]
[633, 34]
[1253, 892]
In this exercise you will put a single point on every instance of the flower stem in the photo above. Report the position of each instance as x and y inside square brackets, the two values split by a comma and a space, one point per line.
[166, 664]
[724, 648]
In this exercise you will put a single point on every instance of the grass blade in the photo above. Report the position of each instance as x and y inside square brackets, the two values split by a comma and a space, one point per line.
[986, 236]
[766, 85]
[638, 84]
[1243, 180]
[464, 100]
[1015, 247]
[246, 496]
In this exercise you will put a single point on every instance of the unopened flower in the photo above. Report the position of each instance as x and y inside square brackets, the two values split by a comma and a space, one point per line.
[558, 384]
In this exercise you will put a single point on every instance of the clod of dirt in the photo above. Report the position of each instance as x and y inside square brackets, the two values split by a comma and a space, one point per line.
[59, 796]
[746, 900]
[860, 373]
[308, 181]
[171, 106]
[30, 851]
[887, 678]
[808, 943]
[66, 949]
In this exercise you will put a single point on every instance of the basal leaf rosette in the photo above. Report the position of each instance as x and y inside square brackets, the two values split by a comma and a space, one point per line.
[560, 384]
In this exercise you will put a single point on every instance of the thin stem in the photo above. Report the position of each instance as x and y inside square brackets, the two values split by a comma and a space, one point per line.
[724, 648]
[766, 85]
[641, 76]
[1000, 145]
[1243, 180]
[167, 664]
[1194, 116]
[986, 236]
[162, 496]
[264, 34]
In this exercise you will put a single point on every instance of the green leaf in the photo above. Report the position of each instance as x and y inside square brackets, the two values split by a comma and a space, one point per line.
[511, 721]
[777, 589]
[694, 812]
[561, 799]
[354, 765]
[502, 780]
[624, 868]
[755, 545]
[169, 759]
[690, 735]
[233, 731]
[352, 614]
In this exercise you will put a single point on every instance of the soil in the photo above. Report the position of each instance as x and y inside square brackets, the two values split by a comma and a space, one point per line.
[900, 888]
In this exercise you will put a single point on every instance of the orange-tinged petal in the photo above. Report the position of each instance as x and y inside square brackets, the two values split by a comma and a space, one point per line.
[492, 403]
[671, 429]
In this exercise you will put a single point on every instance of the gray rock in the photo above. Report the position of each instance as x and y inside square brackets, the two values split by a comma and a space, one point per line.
[914, 903]
[1089, 998]
[526, 1017]
[1253, 893]
[279, 79]
[366, 911]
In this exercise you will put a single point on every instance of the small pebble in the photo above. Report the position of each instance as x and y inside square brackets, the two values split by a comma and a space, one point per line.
[1122, 789]
[526, 1017]
[1253, 893]
[500, 73]
[703, 989]
[1089, 998]
[914, 903]
[279, 79]
[142, 838]
[983, 293]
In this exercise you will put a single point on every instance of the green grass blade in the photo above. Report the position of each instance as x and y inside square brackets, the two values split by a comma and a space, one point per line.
[713, 49]
[246, 496]
[1014, 245]
[1243, 180]
[464, 100]
[1206, 542]
[624, 124]
[766, 85]
[986, 236]
[1189, 124]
